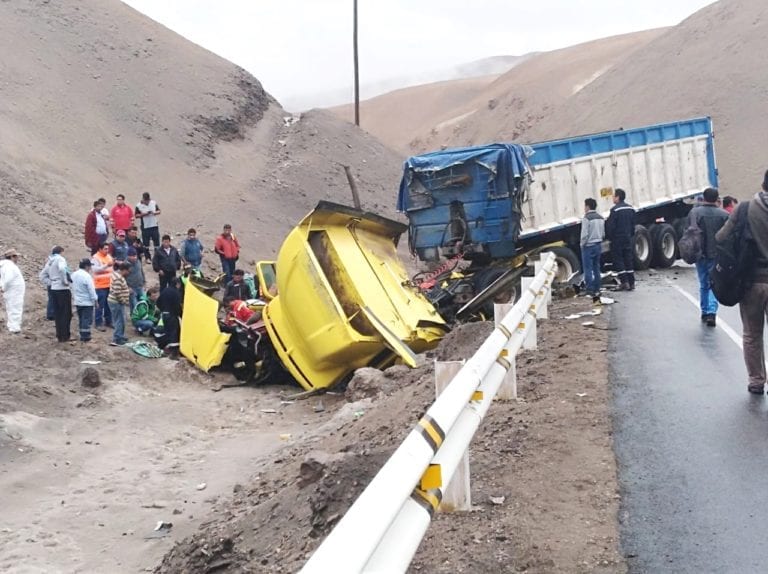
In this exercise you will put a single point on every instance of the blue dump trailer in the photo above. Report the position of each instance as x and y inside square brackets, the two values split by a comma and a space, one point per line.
[478, 214]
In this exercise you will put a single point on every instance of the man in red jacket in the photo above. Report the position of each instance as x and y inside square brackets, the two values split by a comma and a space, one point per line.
[228, 249]
[95, 228]
[121, 215]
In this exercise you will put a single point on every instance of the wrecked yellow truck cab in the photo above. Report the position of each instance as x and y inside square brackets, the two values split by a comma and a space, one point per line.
[343, 299]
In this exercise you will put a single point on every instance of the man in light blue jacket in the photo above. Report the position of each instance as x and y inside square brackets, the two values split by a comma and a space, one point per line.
[84, 294]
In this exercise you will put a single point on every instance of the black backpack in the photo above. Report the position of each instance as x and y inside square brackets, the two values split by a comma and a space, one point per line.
[731, 275]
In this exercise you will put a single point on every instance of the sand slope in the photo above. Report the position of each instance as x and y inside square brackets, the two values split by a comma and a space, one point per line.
[96, 99]
[711, 64]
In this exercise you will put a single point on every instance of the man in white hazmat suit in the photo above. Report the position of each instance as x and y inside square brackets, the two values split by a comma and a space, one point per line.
[12, 285]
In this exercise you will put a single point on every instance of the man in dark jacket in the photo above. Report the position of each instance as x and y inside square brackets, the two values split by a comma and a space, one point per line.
[755, 301]
[238, 288]
[168, 331]
[620, 229]
[166, 261]
[709, 218]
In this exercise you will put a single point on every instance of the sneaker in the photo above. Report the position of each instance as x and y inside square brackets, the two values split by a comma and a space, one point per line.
[623, 287]
[755, 389]
[711, 320]
[101, 329]
[116, 344]
[704, 318]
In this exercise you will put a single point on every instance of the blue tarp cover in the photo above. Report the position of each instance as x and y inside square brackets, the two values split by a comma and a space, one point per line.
[505, 160]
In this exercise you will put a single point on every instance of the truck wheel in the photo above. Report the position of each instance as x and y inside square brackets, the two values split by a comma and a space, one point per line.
[643, 248]
[664, 245]
[510, 293]
[567, 263]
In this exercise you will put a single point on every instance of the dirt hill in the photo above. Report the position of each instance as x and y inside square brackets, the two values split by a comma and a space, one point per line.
[710, 64]
[96, 100]
[492, 108]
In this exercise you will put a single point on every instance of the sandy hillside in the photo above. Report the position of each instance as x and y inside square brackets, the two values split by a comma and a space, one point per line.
[711, 64]
[471, 112]
[96, 99]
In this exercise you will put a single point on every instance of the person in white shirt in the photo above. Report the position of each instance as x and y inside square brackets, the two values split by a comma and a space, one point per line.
[147, 211]
[12, 285]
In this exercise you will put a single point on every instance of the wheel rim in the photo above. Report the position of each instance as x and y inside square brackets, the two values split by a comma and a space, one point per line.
[564, 269]
[642, 248]
[668, 245]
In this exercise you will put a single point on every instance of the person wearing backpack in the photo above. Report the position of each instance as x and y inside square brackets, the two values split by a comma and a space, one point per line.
[753, 302]
[709, 218]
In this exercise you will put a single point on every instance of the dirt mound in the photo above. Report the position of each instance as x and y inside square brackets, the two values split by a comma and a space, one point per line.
[559, 429]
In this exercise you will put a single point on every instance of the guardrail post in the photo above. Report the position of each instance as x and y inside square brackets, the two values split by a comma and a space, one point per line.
[530, 340]
[457, 496]
[544, 310]
[508, 389]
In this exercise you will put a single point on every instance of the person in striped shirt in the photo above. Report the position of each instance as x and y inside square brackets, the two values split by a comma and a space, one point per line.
[119, 299]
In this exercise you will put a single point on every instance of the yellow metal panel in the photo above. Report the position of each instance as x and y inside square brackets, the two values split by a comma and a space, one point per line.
[335, 263]
[201, 340]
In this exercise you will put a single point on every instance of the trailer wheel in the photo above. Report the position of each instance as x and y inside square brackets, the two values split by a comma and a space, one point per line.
[643, 248]
[664, 242]
[567, 263]
[509, 294]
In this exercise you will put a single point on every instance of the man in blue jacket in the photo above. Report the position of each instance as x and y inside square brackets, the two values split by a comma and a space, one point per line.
[709, 218]
[620, 229]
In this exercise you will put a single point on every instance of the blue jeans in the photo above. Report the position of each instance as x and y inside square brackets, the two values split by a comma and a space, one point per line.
[228, 267]
[590, 264]
[135, 294]
[103, 316]
[707, 299]
[118, 321]
[143, 326]
[84, 321]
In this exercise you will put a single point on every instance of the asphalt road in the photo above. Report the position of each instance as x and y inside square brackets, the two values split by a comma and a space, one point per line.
[691, 443]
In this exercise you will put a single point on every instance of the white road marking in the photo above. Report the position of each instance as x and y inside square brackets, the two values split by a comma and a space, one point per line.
[726, 328]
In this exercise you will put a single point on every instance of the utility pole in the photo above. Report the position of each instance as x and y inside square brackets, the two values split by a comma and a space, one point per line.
[357, 71]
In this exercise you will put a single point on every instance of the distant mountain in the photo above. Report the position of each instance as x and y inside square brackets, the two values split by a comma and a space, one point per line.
[485, 67]
[490, 108]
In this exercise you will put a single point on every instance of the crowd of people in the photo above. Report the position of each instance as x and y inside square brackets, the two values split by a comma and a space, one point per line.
[109, 288]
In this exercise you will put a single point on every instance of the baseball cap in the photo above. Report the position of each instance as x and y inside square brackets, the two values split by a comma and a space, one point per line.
[121, 233]
[131, 251]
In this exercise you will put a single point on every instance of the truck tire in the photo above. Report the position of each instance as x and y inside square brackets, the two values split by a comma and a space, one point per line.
[643, 248]
[664, 242]
[567, 263]
[509, 294]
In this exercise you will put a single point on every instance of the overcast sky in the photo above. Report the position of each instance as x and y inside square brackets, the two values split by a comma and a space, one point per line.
[301, 47]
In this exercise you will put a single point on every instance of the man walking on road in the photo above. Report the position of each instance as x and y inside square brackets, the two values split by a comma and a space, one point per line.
[620, 229]
[228, 249]
[753, 305]
[12, 285]
[592, 235]
[709, 218]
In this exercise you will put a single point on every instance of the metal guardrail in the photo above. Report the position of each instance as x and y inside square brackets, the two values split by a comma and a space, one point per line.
[382, 530]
